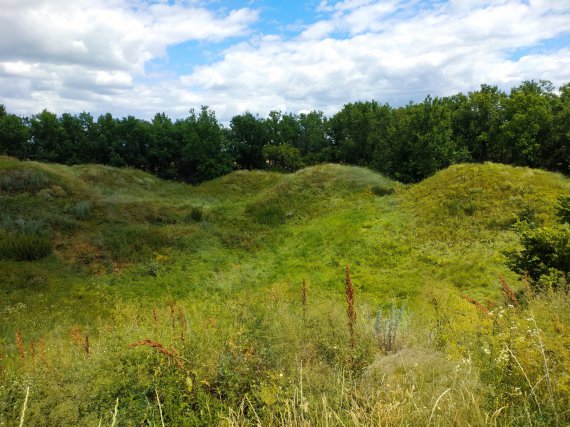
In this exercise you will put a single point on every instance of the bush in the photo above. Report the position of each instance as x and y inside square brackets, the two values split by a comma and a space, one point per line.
[24, 247]
[545, 254]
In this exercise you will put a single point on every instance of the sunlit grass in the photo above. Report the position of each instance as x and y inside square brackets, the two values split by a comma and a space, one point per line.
[225, 292]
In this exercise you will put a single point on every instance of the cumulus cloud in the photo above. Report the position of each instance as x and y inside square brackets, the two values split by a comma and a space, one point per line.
[393, 51]
[56, 46]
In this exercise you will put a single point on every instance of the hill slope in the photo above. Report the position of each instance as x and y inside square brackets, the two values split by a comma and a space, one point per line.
[134, 257]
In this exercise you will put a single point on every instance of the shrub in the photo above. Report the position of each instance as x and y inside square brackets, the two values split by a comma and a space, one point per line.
[22, 226]
[546, 252]
[24, 247]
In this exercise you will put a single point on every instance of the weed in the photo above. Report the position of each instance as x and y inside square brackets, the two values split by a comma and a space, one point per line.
[477, 304]
[386, 328]
[24, 407]
[172, 354]
[20, 345]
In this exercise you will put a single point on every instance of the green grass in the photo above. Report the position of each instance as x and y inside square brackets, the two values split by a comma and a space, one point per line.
[215, 271]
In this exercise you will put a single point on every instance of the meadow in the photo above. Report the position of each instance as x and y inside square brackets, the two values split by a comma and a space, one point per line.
[328, 296]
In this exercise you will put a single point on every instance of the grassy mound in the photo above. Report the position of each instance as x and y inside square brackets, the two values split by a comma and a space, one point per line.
[311, 191]
[192, 296]
[489, 196]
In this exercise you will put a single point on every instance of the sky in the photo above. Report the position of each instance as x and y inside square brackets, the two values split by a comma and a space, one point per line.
[141, 57]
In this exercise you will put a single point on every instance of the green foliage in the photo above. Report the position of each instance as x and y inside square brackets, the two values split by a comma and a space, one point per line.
[545, 255]
[526, 127]
[283, 157]
[518, 351]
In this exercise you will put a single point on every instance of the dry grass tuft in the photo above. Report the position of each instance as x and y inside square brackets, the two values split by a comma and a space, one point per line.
[350, 310]
[304, 299]
[508, 292]
[477, 304]
[20, 345]
[171, 354]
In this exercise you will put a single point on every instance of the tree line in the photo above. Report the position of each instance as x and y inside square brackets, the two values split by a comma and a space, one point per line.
[529, 126]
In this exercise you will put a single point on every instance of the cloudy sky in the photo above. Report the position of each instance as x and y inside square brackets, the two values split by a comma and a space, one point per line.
[140, 57]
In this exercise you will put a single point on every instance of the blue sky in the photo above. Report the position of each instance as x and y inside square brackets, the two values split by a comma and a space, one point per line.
[141, 57]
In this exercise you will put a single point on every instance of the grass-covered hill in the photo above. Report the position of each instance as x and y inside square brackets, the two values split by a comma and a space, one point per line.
[94, 260]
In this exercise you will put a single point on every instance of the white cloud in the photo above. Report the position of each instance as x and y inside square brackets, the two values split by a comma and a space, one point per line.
[97, 45]
[392, 51]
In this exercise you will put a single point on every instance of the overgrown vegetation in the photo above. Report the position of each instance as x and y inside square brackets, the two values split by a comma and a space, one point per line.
[230, 303]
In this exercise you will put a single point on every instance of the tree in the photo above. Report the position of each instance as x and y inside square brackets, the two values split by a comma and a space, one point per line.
[47, 137]
[203, 154]
[14, 135]
[283, 157]
[165, 147]
[527, 125]
[315, 143]
[555, 152]
[477, 120]
[425, 144]
[248, 135]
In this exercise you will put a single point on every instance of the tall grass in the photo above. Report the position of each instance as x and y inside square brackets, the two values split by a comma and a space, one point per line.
[225, 334]
[24, 247]
[83, 209]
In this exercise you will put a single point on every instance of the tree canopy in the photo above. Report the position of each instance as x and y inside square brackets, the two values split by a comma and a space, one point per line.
[530, 126]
